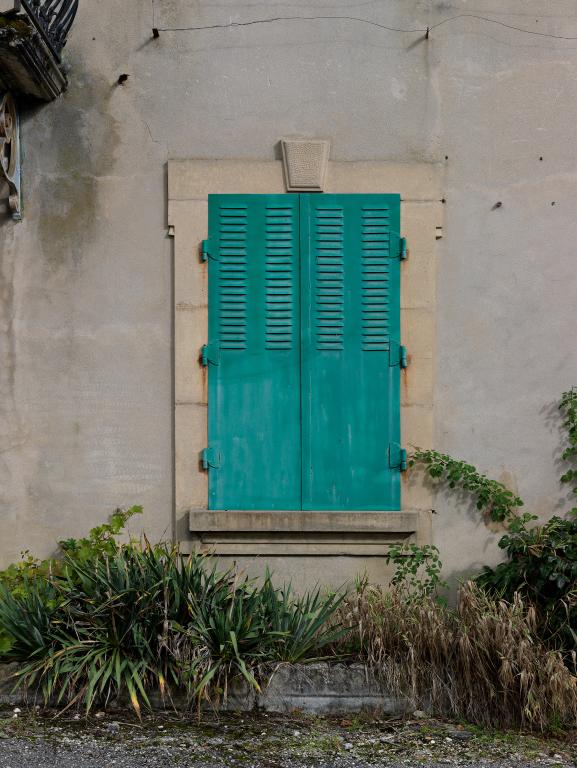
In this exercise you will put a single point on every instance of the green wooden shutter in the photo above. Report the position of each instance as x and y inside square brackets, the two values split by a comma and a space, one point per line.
[254, 352]
[350, 351]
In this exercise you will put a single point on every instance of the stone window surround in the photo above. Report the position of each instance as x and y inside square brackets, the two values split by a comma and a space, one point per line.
[352, 535]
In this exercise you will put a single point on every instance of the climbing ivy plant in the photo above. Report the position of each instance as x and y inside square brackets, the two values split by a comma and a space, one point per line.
[417, 572]
[490, 495]
[541, 563]
[568, 407]
[542, 560]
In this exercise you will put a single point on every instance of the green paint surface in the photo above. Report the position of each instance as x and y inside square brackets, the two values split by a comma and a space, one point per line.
[304, 388]
[254, 409]
[350, 314]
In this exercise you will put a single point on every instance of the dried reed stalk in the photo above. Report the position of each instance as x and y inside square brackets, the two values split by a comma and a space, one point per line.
[482, 662]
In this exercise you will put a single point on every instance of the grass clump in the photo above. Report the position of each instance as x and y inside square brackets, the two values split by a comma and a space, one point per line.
[482, 662]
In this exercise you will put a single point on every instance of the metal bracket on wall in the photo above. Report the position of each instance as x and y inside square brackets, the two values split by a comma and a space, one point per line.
[403, 249]
[397, 457]
[206, 251]
[210, 457]
[10, 171]
[397, 354]
[210, 353]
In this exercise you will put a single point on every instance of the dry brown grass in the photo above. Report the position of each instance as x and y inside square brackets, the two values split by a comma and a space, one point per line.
[482, 662]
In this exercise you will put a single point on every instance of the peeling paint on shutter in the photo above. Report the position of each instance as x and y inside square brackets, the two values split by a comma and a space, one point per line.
[304, 311]
[350, 313]
[254, 390]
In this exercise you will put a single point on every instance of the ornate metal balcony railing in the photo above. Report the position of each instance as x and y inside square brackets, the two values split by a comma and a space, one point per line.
[10, 157]
[55, 17]
[32, 35]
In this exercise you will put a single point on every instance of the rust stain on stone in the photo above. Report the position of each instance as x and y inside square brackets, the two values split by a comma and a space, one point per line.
[405, 384]
[204, 379]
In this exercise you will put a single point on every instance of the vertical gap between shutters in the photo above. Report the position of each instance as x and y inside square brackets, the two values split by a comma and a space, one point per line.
[303, 324]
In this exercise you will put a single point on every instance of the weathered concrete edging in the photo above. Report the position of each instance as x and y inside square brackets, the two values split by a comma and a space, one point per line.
[320, 688]
[7, 672]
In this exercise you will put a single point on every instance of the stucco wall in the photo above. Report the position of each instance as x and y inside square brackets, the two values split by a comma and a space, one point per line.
[85, 279]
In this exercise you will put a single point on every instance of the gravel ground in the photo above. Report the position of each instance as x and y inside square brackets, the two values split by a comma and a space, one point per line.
[33, 738]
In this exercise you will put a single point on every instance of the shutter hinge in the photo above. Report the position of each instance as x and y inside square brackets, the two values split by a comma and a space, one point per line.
[210, 458]
[397, 457]
[403, 356]
[210, 353]
[397, 355]
[403, 249]
[206, 251]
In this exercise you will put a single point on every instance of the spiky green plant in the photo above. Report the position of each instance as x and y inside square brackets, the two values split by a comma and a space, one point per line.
[102, 640]
[225, 637]
[26, 619]
[304, 624]
[143, 617]
[243, 629]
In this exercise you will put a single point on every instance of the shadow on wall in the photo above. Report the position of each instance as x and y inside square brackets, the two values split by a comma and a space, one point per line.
[67, 146]
[458, 577]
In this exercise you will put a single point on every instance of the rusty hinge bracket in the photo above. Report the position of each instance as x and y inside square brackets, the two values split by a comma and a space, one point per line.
[403, 249]
[210, 458]
[397, 457]
[210, 353]
[206, 251]
[397, 355]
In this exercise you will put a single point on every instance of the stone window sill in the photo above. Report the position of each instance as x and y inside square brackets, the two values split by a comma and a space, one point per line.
[256, 532]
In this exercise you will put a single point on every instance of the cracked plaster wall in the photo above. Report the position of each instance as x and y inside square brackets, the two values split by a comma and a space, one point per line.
[85, 296]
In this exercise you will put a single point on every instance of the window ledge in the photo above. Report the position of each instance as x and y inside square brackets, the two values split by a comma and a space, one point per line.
[256, 532]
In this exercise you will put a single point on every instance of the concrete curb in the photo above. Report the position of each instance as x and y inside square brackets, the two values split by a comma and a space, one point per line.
[321, 688]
